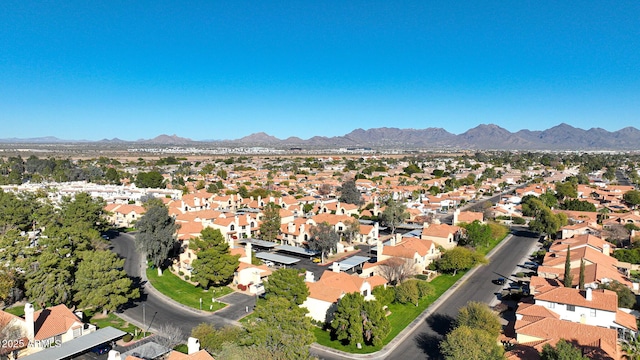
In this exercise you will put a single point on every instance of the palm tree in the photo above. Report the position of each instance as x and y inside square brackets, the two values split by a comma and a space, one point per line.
[631, 348]
[603, 214]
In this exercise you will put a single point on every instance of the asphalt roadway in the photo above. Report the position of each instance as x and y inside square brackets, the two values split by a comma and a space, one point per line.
[422, 341]
[153, 310]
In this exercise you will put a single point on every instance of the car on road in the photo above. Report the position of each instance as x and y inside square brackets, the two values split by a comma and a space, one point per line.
[316, 260]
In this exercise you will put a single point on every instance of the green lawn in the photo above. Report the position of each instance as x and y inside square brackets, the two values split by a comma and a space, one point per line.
[401, 316]
[113, 320]
[181, 291]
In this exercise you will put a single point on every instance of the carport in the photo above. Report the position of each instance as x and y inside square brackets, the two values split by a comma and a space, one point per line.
[280, 259]
[78, 345]
[261, 244]
[296, 250]
[352, 262]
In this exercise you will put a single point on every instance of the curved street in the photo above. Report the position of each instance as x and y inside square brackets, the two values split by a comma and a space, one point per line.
[153, 310]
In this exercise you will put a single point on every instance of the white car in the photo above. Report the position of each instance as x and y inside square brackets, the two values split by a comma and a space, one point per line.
[269, 263]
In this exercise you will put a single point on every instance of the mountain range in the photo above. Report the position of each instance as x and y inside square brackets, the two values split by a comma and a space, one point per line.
[485, 137]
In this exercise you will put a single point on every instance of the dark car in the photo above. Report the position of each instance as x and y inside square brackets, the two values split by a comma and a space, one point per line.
[500, 281]
[101, 349]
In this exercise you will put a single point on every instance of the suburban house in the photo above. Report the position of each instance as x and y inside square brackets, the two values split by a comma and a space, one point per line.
[444, 235]
[124, 215]
[333, 284]
[46, 327]
[589, 319]
[248, 274]
[416, 252]
[467, 217]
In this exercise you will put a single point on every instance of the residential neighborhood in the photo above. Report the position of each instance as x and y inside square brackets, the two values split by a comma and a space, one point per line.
[379, 232]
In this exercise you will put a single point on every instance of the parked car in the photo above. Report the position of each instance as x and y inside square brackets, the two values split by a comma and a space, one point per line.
[269, 263]
[316, 260]
[500, 281]
[101, 349]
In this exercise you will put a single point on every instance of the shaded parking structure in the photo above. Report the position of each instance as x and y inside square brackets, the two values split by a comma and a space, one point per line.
[353, 262]
[297, 251]
[260, 244]
[277, 259]
[78, 345]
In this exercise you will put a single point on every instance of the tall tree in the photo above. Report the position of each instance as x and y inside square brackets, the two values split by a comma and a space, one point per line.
[271, 221]
[324, 238]
[282, 327]
[394, 214]
[50, 279]
[477, 315]
[568, 278]
[632, 197]
[287, 283]
[347, 320]
[101, 282]
[458, 258]
[566, 190]
[151, 179]
[352, 229]
[215, 265]
[581, 276]
[349, 193]
[465, 343]
[156, 235]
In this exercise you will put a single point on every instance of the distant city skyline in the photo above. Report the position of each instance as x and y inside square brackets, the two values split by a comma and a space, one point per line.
[225, 70]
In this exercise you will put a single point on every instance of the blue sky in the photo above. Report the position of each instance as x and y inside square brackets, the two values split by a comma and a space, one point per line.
[227, 69]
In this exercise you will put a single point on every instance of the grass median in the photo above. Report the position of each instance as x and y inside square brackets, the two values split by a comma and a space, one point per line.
[185, 293]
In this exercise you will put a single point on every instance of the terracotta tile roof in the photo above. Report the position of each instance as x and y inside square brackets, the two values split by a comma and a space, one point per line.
[440, 230]
[602, 342]
[601, 299]
[626, 320]
[54, 321]
[200, 355]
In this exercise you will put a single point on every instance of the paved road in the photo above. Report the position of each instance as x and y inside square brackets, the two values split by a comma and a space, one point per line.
[154, 310]
[422, 342]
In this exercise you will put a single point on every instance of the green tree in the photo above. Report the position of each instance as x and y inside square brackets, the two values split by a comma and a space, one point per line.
[289, 284]
[458, 258]
[215, 265]
[349, 193]
[626, 298]
[6, 284]
[632, 197]
[112, 176]
[347, 319]
[568, 278]
[477, 234]
[50, 279]
[581, 276]
[407, 292]
[271, 221]
[567, 190]
[563, 351]
[465, 343]
[375, 325]
[578, 205]
[156, 235]
[212, 339]
[101, 282]
[151, 179]
[394, 214]
[323, 238]
[282, 327]
[477, 315]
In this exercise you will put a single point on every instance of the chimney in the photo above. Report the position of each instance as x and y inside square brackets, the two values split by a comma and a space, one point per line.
[605, 249]
[455, 216]
[114, 355]
[335, 267]
[588, 295]
[29, 321]
[379, 248]
[193, 345]
[308, 276]
[247, 252]
[392, 241]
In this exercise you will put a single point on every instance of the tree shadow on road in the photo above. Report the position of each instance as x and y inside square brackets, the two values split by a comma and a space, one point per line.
[440, 323]
[429, 344]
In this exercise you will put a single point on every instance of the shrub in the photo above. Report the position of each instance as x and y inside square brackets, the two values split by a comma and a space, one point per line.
[128, 337]
[520, 275]
[424, 288]
[422, 277]
[384, 296]
[186, 277]
[181, 273]
[407, 292]
[519, 221]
